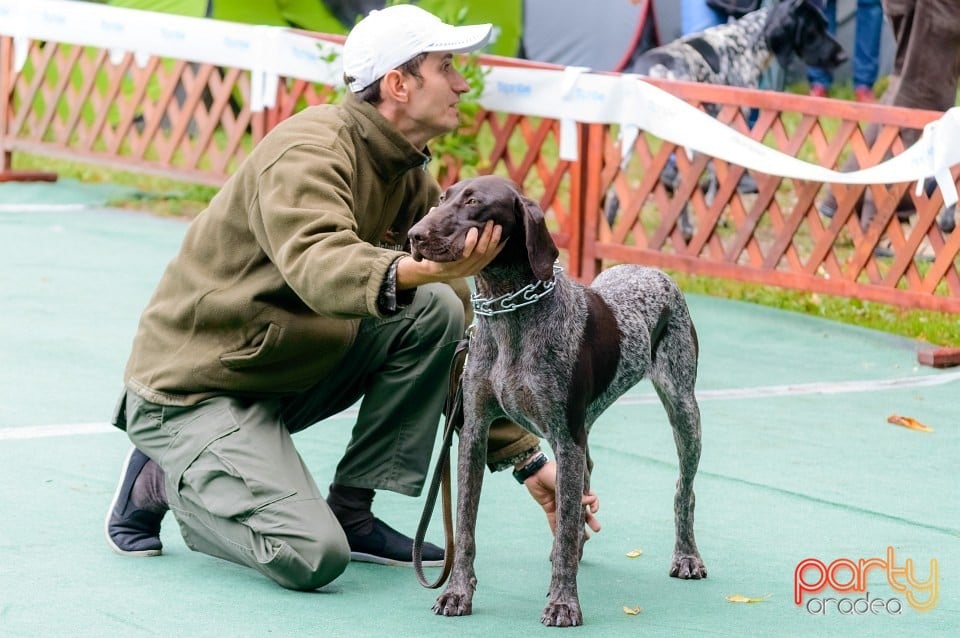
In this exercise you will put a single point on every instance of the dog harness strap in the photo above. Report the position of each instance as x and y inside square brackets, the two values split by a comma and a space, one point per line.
[441, 474]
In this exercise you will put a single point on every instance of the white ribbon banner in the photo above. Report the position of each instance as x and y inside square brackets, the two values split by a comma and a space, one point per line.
[267, 52]
[638, 105]
[571, 95]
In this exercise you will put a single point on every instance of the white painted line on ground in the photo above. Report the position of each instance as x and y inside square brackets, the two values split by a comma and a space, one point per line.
[761, 392]
[820, 387]
[64, 429]
[41, 208]
[73, 429]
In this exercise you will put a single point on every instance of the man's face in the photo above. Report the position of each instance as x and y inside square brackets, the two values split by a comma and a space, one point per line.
[433, 100]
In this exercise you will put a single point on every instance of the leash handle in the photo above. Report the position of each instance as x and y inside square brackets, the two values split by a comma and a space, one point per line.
[441, 475]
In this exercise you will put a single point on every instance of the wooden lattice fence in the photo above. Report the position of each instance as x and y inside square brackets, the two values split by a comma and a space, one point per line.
[193, 122]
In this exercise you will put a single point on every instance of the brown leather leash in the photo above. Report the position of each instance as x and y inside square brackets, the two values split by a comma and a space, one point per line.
[441, 474]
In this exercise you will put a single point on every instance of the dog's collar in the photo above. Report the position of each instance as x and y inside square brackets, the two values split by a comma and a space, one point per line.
[529, 294]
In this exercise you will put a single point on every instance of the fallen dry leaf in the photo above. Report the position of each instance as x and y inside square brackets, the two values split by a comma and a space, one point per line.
[633, 611]
[909, 423]
[737, 598]
[634, 553]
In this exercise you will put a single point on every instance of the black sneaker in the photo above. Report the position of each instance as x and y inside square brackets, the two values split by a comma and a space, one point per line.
[386, 546]
[132, 531]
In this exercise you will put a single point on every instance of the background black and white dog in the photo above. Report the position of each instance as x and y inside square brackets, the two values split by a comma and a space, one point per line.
[736, 54]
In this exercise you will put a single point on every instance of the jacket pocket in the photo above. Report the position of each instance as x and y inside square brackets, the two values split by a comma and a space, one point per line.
[258, 349]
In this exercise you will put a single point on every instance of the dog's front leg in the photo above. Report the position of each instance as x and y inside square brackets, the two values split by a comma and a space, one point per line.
[563, 603]
[457, 597]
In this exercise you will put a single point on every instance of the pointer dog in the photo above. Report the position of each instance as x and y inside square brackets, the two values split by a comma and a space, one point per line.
[551, 355]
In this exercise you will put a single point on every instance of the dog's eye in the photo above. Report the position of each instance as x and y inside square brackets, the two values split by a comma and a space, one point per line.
[443, 196]
[473, 201]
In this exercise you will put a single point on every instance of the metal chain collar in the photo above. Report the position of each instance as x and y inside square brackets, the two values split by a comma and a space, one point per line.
[529, 294]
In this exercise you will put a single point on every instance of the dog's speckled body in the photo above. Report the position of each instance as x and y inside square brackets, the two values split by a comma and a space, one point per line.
[553, 367]
[736, 53]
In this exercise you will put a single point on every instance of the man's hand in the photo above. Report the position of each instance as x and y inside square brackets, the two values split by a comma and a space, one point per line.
[479, 249]
[543, 488]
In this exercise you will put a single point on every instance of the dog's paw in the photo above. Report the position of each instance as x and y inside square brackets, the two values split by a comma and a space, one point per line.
[687, 566]
[562, 614]
[453, 604]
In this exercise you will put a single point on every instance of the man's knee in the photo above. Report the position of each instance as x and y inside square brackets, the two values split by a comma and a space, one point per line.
[306, 564]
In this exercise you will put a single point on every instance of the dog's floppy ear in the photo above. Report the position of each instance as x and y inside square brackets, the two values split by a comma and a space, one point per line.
[782, 30]
[541, 251]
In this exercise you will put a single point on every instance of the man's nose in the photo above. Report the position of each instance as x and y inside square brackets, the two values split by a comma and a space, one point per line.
[460, 83]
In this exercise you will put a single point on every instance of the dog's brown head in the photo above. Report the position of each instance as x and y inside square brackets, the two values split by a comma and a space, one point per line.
[440, 235]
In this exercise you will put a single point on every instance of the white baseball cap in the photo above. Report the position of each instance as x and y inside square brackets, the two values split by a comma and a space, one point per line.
[387, 38]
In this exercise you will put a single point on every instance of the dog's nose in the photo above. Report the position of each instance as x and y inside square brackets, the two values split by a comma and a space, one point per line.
[415, 236]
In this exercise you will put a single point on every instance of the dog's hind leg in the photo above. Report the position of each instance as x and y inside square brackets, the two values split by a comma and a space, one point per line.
[674, 376]
[685, 419]
[563, 602]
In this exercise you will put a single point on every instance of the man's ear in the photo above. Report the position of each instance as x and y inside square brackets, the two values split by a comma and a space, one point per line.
[394, 85]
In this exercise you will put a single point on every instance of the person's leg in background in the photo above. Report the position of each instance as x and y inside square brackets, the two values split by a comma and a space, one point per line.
[930, 68]
[931, 60]
[866, 49]
[822, 79]
[925, 75]
[900, 15]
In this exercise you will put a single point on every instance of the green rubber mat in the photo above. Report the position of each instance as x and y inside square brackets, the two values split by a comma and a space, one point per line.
[800, 468]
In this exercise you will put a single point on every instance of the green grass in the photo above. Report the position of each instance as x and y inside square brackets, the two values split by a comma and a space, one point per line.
[937, 328]
[156, 195]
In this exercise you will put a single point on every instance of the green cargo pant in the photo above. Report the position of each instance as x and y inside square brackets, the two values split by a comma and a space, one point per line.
[235, 482]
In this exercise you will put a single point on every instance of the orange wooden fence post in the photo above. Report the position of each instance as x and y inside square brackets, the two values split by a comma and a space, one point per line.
[7, 174]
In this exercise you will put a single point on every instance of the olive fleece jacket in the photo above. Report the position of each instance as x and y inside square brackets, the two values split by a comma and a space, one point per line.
[272, 279]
